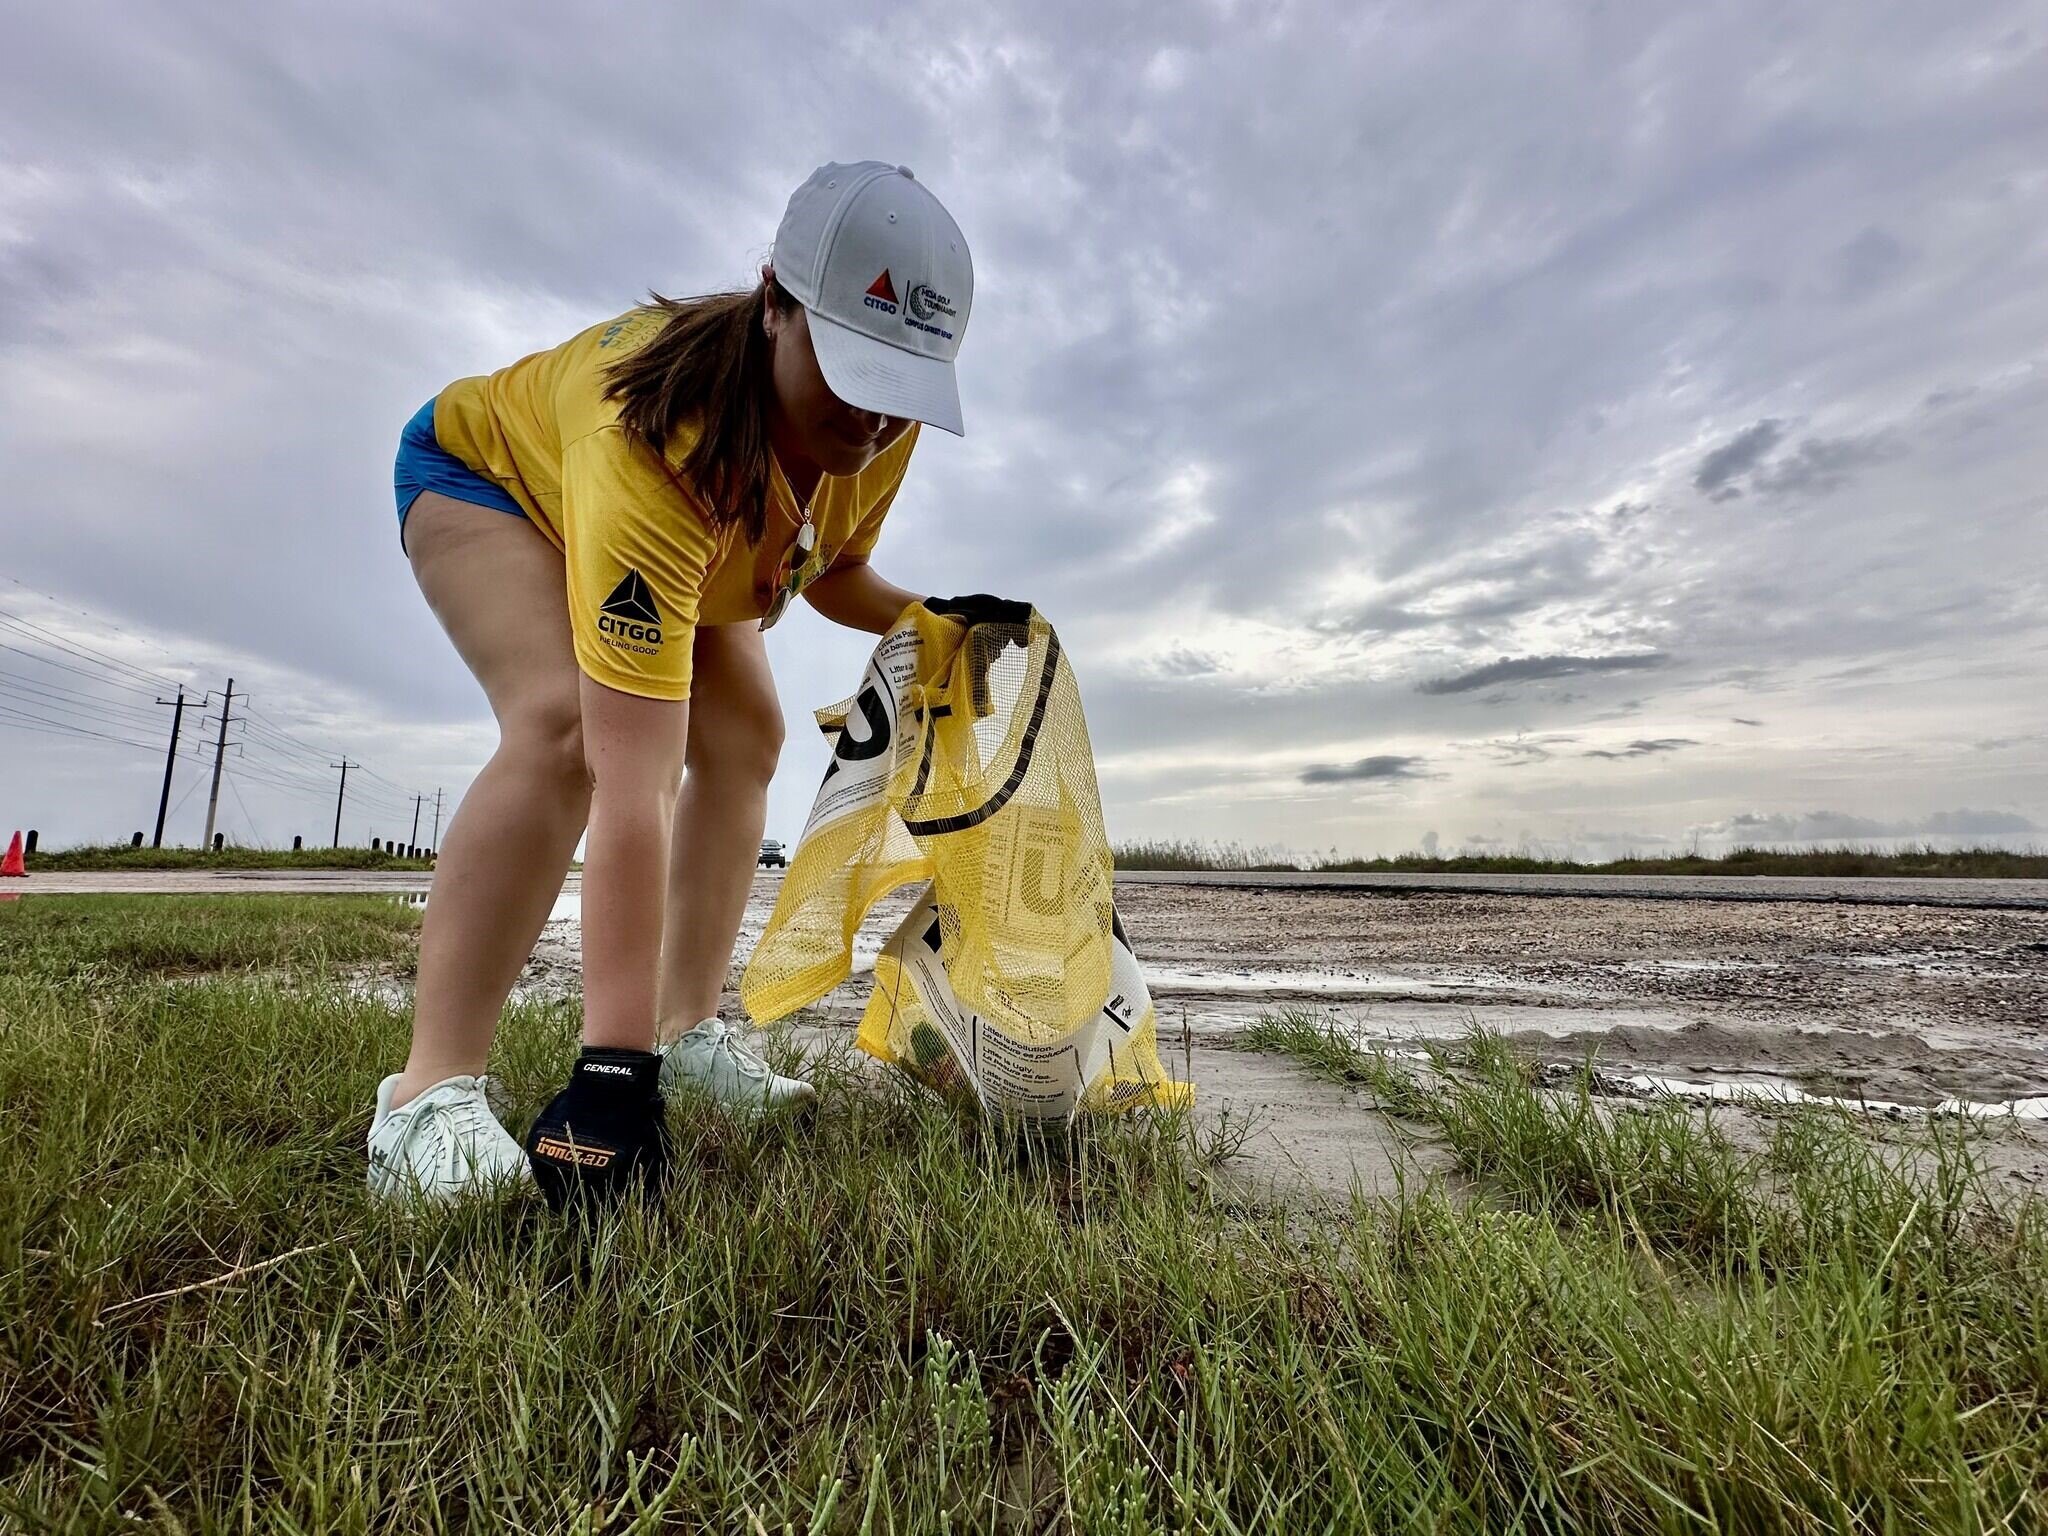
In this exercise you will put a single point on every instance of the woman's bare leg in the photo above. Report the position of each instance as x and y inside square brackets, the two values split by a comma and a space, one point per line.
[497, 587]
[735, 739]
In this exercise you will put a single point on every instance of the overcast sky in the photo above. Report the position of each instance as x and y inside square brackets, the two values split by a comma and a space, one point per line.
[1589, 425]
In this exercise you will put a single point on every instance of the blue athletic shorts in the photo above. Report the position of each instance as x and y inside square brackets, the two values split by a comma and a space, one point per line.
[424, 465]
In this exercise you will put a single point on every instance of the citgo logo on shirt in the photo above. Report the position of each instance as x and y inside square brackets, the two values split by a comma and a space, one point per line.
[628, 620]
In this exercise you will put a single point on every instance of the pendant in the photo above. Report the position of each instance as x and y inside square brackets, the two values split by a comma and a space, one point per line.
[806, 537]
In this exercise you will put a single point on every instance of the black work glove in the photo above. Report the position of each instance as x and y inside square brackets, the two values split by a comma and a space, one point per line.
[1009, 622]
[603, 1133]
[980, 608]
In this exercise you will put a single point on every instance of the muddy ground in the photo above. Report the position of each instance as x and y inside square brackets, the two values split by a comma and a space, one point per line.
[1851, 991]
[1906, 1005]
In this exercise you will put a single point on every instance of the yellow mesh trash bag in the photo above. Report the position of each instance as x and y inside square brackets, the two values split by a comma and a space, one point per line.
[964, 761]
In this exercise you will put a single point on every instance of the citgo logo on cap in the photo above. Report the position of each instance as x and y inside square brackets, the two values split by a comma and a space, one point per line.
[881, 294]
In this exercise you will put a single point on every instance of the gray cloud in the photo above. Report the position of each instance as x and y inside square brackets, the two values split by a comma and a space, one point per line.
[1183, 661]
[1969, 823]
[1822, 464]
[1744, 720]
[1646, 747]
[1868, 262]
[1740, 454]
[1523, 669]
[1469, 594]
[1840, 826]
[1519, 751]
[1365, 768]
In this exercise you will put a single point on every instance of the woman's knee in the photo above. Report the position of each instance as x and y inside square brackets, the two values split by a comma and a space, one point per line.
[738, 747]
[545, 734]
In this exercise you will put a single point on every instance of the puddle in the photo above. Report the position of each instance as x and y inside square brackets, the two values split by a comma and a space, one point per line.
[1695, 967]
[1770, 1090]
[568, 906]
[1335, 984]
[1949, 963]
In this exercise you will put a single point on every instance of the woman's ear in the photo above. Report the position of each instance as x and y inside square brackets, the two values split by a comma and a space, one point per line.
[768, 315]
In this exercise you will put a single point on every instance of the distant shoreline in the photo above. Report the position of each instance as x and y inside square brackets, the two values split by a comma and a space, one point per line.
[1844, 862]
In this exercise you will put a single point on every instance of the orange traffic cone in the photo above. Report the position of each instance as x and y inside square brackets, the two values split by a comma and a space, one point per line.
[13, 863]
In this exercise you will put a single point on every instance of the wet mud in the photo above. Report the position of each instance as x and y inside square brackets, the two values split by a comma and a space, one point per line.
[1910, 1009]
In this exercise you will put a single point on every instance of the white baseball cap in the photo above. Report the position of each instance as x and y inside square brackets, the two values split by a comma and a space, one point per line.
[883, 272]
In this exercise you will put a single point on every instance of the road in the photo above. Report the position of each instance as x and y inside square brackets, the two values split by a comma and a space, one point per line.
[2022, 895]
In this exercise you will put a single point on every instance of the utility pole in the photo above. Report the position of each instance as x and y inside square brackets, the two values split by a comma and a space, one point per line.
[437, 820]
[163, 803]
[344, 765]
[416, 799]
[220, 753]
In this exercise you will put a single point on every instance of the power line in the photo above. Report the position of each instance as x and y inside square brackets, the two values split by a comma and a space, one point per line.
[81, 647]
[78, 648]
[22, 697]
[282, 773]
[268, 753]
[255, 751]
[57, 602]
[184, 797]
[21, 719]
[287, 741]
[26, 701]
[255, 837]
[65, 666]
[24, 705]
[58, 690]
[282, 739]
[59, 728]
[295, 787]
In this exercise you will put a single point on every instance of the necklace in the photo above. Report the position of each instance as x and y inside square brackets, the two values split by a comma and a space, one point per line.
[799, 557]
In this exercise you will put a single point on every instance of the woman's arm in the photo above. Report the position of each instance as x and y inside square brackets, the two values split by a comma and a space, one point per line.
[853, 595]
[633, 748]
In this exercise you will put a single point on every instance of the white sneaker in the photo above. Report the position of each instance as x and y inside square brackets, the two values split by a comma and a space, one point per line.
[710, 1060]
[443, 1144]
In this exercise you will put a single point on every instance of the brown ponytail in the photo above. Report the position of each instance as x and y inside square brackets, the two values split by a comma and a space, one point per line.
[709, 362]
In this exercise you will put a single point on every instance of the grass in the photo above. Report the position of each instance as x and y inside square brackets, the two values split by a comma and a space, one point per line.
[1185, 854]
[1321, 1043]
[133, 939]
[1841, 862]
[96, 856]
[894, 1322]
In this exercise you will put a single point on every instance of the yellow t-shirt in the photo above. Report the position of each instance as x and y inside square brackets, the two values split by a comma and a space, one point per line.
[646, 563]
